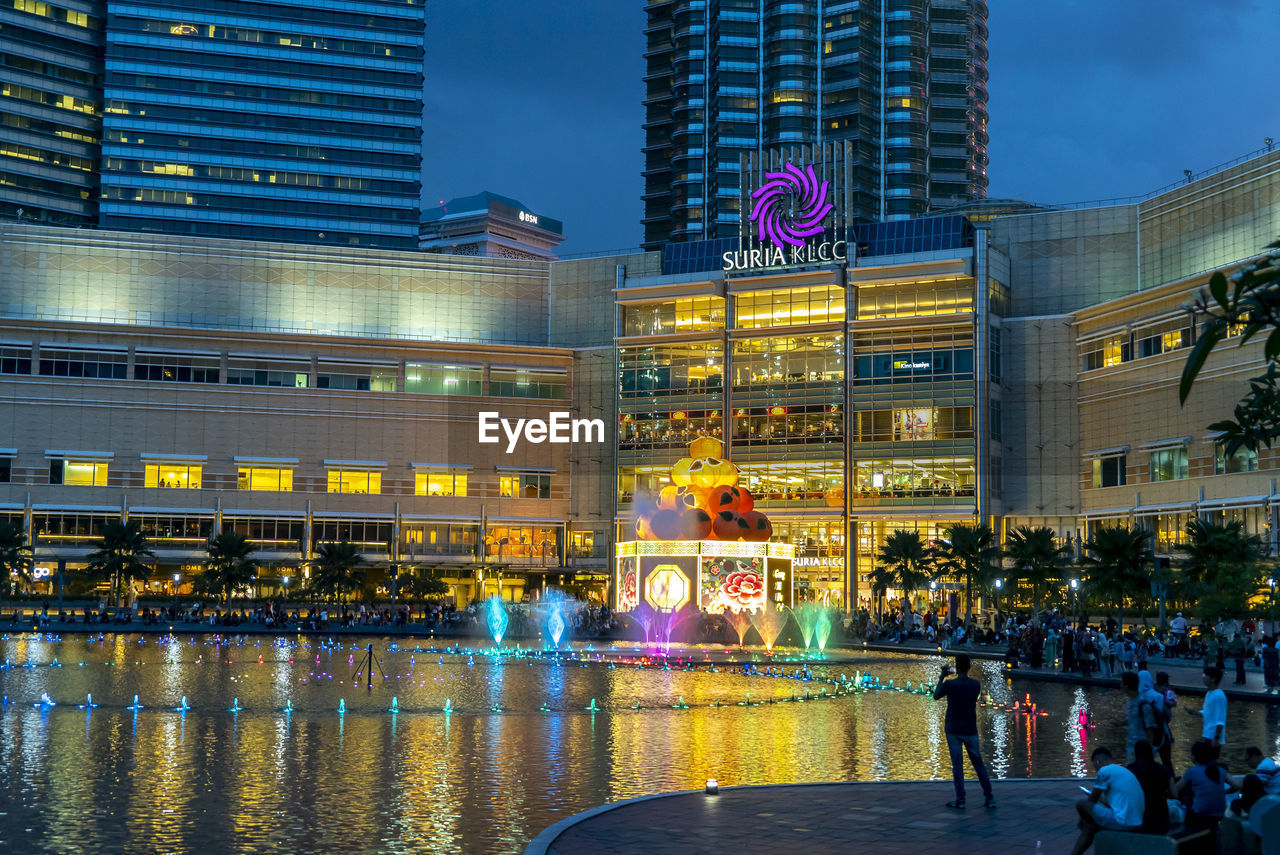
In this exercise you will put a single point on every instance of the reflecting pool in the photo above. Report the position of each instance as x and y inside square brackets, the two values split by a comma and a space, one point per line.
[518, 751]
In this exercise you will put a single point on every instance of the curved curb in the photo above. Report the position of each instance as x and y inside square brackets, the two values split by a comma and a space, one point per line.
[546, 838]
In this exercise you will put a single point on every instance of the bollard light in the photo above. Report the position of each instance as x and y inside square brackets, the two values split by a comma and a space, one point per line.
[713, 787]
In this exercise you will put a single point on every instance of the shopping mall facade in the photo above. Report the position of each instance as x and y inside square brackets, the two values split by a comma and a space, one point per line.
[1003, 363]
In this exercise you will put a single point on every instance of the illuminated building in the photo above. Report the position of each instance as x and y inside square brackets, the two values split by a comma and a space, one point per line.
[289, 121]
[489, 226]
[898, 86]
[1021, 369]
[298, 395]
[50, 109]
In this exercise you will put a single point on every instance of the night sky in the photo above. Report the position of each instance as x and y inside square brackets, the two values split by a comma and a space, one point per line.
[1090, 99]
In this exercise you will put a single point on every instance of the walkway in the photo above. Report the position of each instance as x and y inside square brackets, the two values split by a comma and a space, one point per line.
[817, 819]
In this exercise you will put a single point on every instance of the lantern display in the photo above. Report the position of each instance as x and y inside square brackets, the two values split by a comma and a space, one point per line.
[704, 502]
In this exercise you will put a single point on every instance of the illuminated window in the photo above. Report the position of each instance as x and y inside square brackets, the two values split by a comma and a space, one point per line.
[265, 479]
[1169, 464]
[1244, 460]
[1107, 352]
[178, 476]
[525, 486]
[1109, 471]
[695, 314]
[365, 381]
[526, 383]
[444, 482]
[785, 307]
[426, 379]
[33, 7]
[355, 481]
[78, 473]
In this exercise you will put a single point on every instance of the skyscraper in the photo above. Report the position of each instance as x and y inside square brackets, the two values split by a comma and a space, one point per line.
[288, 120]
[50, 109]
[905, 81]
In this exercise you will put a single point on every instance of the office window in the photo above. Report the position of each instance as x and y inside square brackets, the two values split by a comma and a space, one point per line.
[264, 478]
[6, 470]
[1110, 471]
[427, 379]
[178, 476]
[1169, 464]
[78, 473]
[1107, 352]
[525, 486]
[373, 380]
[267, 377]
[355, 481]
[102, 364]
[1244, 460]
[176, 367]
[15, 359]
[443, 482]
[526, 383]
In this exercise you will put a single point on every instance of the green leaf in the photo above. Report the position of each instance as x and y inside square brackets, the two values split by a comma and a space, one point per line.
[1196, 359]
[1218, 288]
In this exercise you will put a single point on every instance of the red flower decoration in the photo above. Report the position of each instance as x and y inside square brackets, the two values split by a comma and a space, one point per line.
[629, 593]
[744, 588]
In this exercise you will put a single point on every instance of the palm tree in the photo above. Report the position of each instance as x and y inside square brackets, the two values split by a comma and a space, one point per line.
[229, 566]
[1117, 560]
[17, 557]
[422, 587]
[1209, 546]
[881, 579]
[336, 570]
[1221, 569]
[1035, 554]
[909, 560]
[120, 556]
[970, 552]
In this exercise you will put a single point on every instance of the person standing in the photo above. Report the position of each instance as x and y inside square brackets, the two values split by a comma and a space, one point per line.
[1270, 664]
[1214, 711]
[1238, 650]
[961, 728]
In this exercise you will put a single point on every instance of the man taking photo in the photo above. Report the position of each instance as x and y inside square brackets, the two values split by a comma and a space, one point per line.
[961, 728]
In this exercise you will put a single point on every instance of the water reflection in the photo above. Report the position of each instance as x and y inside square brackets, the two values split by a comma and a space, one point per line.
[423, 781]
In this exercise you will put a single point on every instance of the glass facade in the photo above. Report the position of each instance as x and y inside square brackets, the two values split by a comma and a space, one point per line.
[904, 80]
[265, 121]
[832, 422]
[50, 109]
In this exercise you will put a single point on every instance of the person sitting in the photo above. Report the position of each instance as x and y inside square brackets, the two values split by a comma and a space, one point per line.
[1202, 787]
[1117, 802]
[1157, 787]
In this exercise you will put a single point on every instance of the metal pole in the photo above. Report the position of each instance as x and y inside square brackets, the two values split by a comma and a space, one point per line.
[369, 668]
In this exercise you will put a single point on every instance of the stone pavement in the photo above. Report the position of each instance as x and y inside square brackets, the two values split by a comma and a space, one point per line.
[817, 819]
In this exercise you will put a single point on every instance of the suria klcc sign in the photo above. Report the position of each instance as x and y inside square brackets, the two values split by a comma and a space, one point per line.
[788, 211]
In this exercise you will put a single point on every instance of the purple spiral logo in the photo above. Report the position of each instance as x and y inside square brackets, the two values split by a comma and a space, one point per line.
[790, 206]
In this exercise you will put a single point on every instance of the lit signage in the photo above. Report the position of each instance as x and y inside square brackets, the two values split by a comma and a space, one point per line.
[667, 588]
[819, 561]
[911, 365]
[679, 416]
[526, 217]
[777, 411]
[780, 592]
[789, 209]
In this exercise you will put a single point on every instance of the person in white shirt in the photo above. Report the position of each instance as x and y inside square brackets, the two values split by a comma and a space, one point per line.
[1214, 712]
[1116, 803]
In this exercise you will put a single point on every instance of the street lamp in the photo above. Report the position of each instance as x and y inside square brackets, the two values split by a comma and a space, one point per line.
[999, 585]
[176, 577]
[1075, 598]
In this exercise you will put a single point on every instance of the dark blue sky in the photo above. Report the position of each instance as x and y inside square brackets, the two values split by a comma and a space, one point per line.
[1090, 99]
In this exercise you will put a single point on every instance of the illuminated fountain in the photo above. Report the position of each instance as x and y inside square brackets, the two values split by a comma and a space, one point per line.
[555, 626]
[703, 547]
[741, 623]
[815, 626]
[496, 619]
[769, 623]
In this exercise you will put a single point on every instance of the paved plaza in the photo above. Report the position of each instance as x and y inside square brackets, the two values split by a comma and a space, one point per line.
[816, 819]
